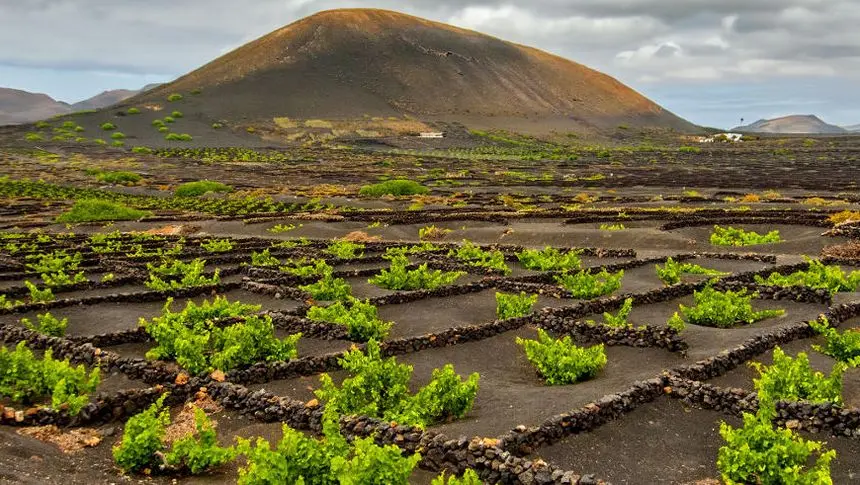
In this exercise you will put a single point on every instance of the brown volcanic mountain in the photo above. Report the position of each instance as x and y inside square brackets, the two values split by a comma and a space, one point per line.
[354, 63]
[17, 106]
[793, 124]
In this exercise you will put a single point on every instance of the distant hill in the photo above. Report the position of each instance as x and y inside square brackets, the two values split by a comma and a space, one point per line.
[794, 124]
[17, 106]
[356, 64]
[852, 128]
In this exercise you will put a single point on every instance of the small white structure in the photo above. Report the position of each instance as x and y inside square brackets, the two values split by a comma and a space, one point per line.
[432, 134]
[722, 137]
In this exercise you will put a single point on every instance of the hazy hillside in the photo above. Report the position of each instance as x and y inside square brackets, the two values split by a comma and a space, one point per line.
[795, 124]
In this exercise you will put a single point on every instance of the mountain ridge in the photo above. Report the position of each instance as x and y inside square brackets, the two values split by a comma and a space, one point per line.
[791, 124]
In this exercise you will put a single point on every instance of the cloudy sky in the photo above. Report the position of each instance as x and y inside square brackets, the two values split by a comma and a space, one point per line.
[712, 62]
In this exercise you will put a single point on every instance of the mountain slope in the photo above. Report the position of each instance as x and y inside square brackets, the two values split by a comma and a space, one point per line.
[853, 128]
[794, 124]
[17, 106]
[360, 63]
[104, 99]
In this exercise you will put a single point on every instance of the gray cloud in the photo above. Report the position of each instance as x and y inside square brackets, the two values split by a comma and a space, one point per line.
[643, 42]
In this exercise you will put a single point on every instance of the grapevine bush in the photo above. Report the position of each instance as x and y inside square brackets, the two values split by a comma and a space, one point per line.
[559, 361]
[176, 274]
[513, 306]
[47, 324]
[618, 320]
[328, 288]
[25, 378]
[818, 276]
[345, 249]
[843, 346]
[379, 388]
[195, 340]
[671, 272]
[586, 285]
[550, 259]
[793, 379]
[473, 255]
[723, 309]
[470, 477]
[398, 277]
[360, 318]
[729, 236]
[217, 245]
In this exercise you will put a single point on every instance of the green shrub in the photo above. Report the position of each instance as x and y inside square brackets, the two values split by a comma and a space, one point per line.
[470, 477]
[142, 438]
[142, 150]
[281, 228]
[585, 285]
[432, 233]
[34, 137]
[328, 288]
[794, 379]
[99, 141]
[37, 295]
[473, 255]
[48, 325]
[724, 309]
[108, 126]
[818, 276]
[133, 111]
[118, 143]
[195, 189]
[550, 259]
[26, 378]
[345, 249]
[101, 210]
[687, 149]
[117, 135]
[178, 137]
[196, 342]
[163, 129]
[264, 259]
[199, 453]
[169, 119]
[299, 459]
[306, 267]
[393, 187]
[670, 273]
[729, 236]
[380, 388]
[398, 277]
[843, 346]
[217, 245]
[217, 126]
[560, 361]
[612, 227]
[157, 123]
[360, 318]
[760, 453]
[618, 320]
[513, 306]
[119, 177]
[174, 97]
[176, 114]
[177, 274]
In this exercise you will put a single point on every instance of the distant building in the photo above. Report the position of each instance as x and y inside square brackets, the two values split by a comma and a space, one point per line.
[722, 137]
[432, 134]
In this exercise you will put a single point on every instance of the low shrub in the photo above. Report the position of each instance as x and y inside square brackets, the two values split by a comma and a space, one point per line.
[117, 135]
[345, 249]
[199, 451]
[379, 388]
[819, 276]
[513, 306]
[671, 272]
[470, 477]
[306, 267]
[550, 259]
[328, 288]
[264, 259]
[133, 111]
[393, 187]
[196, 189]
[197, 342]
[360, 318]
[26, 378]
[619, 319]
[586, 285]
[142, 438]
[176, 114]
[794, 379]
[559, 361]
[100, 210]
[723, 309]
[398, 277]
[177, 274]
[119, 177]
[47, 324]
[843, 346]
[729, 236]
[432, 233]
[142, 150]
[473, 255]
[612, 227]
[178, 137]
[217, 245]
[174, 97]
[108, 126]
[758, 452]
